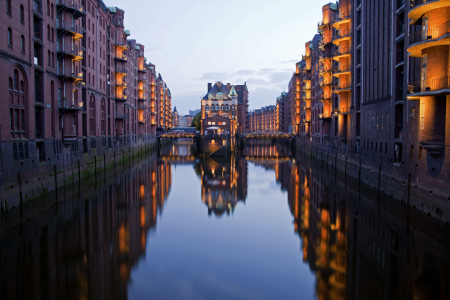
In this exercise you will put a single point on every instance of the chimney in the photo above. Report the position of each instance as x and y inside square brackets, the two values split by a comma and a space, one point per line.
[228, 86]
[209, 86]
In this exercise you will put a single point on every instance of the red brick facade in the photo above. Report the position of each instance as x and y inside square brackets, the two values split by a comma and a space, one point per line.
[75, 84]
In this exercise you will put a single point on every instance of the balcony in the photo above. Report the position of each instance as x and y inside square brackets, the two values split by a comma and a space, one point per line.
[70, 52]
[120, 69]
[343, 17]
[37, 10]
[120, 44]
[121, 84]
[122, 98]
[342, 87]
[342, 70]
[342, 52]
[121, 116]
[72, 6]
[142, 98]
[429, 87]
[69, 28]
[341, 36]
[67, 105]
[324, 56]
[69, 75]
[305, 57]
[419, 7]
[122, 58]
[142, 70]
[434, 36]
[325, 116]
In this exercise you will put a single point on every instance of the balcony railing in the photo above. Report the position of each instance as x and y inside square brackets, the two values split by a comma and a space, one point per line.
[120, 68]
[69, 50]
[121, 116]
[342, 33]
[343, 86]
[74, 5]
[429, 85]
[344, 13]
[343, 69]
[414, 3]
[120, 43]
[430, 34]
[342, 51]
[71, 75]
[75, 29]
[67, 104]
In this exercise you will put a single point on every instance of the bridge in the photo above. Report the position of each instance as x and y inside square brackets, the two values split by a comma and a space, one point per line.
[223, 145]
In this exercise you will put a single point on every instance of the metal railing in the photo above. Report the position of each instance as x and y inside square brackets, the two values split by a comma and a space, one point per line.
[68, 26]
[68, 104]
[343, 51]
[120, 69]
[429, 85]
[342, 33]
[414, 3]
[430, 33]
[341, 69]
[69, 50]
[342, 86]
[75, 5]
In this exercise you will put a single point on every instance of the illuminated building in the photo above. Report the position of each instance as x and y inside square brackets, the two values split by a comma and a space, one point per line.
[76, 84]
[219, 109]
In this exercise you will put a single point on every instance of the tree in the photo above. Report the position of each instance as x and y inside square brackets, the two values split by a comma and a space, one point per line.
[196, 122]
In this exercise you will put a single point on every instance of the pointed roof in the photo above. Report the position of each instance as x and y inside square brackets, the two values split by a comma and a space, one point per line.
[233, 92]
[175, 109]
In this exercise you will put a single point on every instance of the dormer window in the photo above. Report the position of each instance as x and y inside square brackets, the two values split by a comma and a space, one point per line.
[209, 96]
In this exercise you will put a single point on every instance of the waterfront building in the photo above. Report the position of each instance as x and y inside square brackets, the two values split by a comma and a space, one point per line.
[374, 88]
[283, 113]
[185, 121]
[219, 109]
[175, 120]
[76, 84]
[263, 118]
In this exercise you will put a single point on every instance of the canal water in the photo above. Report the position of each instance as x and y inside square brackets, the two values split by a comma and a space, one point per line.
[264, 225]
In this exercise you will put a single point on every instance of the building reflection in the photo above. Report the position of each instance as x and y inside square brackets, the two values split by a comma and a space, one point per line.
[181, 152]
[361, 246]
[84, 243]
[266, 149]
[224, 183]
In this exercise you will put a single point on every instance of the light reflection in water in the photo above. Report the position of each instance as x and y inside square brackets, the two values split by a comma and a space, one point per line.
[88, 243]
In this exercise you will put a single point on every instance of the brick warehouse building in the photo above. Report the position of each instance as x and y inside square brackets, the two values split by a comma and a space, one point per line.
[76, 84]
[375, 89]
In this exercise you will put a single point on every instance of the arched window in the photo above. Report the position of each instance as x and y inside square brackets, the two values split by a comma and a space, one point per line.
[206, 107]
[16, 80]
[48, 7]
[49, 57]
[92, 116]
[227, 107]
[21, 86]
[53, 35]
[10, 37]
[8, 7]
[22, 14]
[52, 98]
[22, 43]
[222, 107]
[103, 116]
[10, 84]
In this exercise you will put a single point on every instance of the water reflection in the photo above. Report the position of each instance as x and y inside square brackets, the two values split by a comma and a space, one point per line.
[85, 244]
[357, 244]
[224, 183]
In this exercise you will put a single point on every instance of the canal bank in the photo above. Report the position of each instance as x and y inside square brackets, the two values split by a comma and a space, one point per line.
[396, 181]
[37, 182]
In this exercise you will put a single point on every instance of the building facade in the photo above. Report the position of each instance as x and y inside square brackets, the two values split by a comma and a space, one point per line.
[76, 83]
[376, 89]
[219, 108]
[264, 118]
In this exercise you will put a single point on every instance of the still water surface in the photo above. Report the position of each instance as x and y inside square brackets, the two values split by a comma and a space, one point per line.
[181, 227]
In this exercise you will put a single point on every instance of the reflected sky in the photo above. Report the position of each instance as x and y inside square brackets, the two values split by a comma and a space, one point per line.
[262, 226]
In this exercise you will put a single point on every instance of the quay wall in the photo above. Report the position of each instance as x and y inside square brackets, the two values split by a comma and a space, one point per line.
[25, 185]
[432, 198]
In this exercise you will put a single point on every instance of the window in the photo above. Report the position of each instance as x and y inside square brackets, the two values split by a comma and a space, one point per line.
[22, 15]
[22, 44]
[206, 107]
[16, 80]
[422, 115]
[51, 10]
[48, 57]
[10, 38]
[48, 32]
[48, 7]
[8, 7]
[53, 35]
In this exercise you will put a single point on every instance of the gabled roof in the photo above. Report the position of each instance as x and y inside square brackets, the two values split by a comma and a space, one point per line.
[218, 88]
